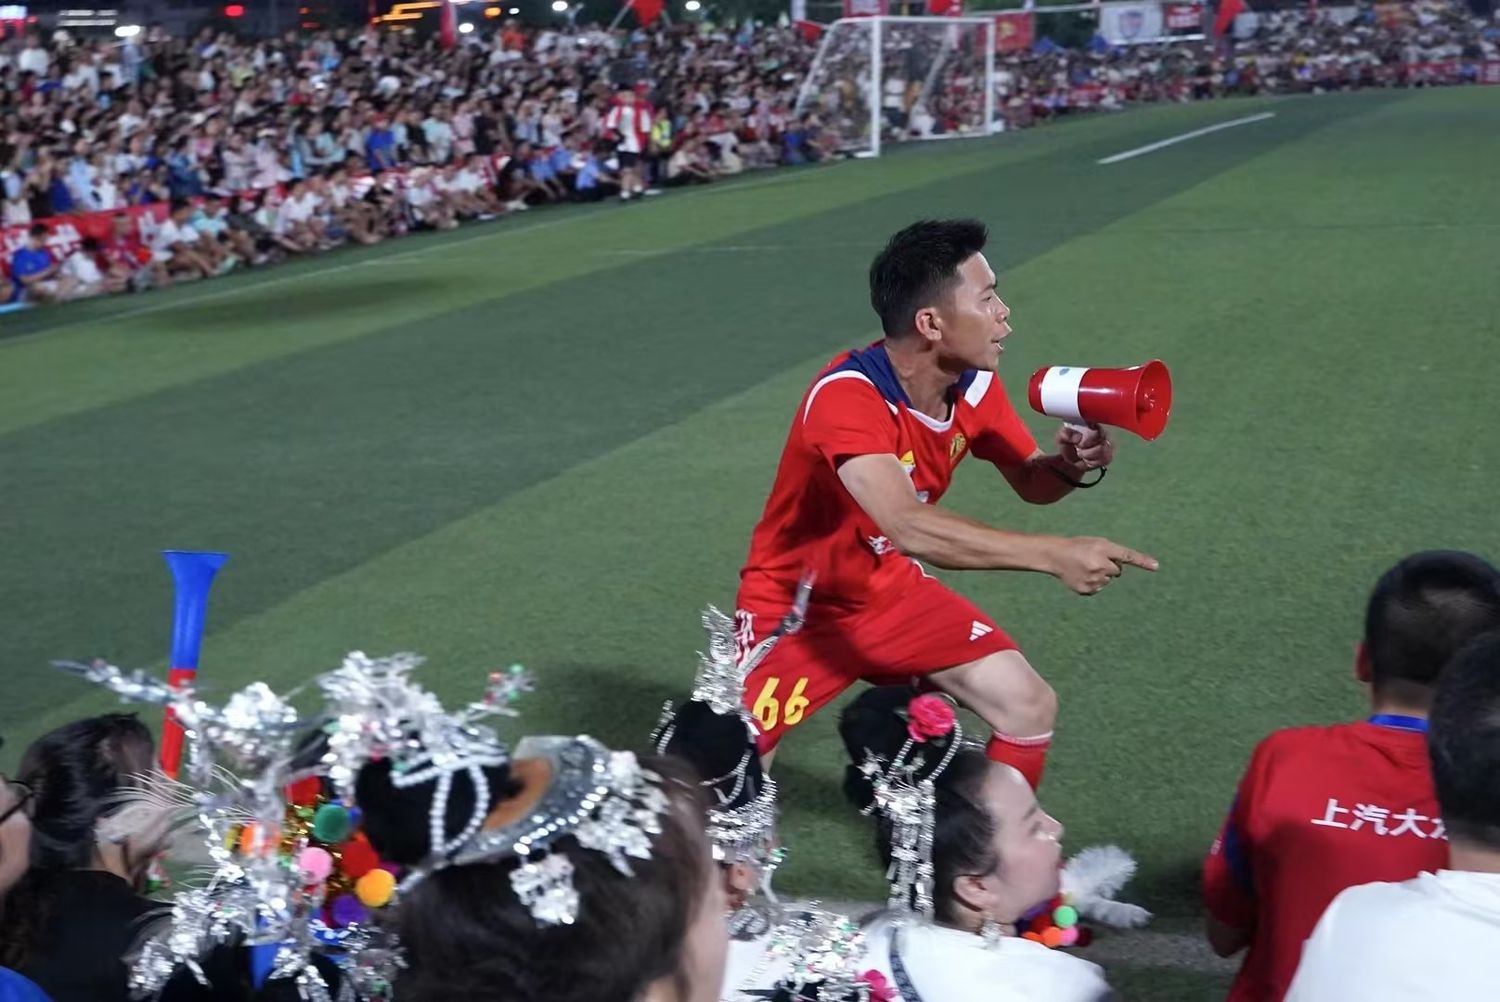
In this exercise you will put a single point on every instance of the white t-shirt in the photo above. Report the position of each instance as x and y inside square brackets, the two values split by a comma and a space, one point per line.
[1436, 936]
[83, 269]
[468, 181]
[296, 211]
[33, 59]
[946, 965]
[169, 235]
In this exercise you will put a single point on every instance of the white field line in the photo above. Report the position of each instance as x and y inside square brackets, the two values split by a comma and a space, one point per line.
[1184, 137]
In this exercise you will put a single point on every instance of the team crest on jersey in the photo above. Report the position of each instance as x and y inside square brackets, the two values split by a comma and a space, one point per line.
[956, 448]
[909, 462]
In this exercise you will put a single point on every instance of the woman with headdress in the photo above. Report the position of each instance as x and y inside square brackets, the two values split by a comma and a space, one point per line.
[566, 874]
[75, 914]
[969, 853]
[774, 951]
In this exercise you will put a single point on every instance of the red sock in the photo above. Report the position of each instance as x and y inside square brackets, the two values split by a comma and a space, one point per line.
[1027, 755]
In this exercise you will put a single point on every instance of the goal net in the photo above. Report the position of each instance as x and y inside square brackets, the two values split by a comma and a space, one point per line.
[879, 80]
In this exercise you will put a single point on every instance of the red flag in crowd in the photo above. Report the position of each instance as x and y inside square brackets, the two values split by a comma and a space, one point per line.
[447, 25]
[1228, 11]
[647, 10]
[810, 31]
[945, 8]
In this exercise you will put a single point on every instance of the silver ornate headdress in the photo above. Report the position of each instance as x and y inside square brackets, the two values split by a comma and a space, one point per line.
[745, 832]
[824, 952]
[908, 801]
[238, 758]
[606, 800]
[811, 954]
[375, 711]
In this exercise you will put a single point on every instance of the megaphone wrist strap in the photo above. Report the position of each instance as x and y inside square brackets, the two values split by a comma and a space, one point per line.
[1081, 485]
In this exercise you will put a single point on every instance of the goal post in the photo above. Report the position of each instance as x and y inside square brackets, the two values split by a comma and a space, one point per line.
[877, 80]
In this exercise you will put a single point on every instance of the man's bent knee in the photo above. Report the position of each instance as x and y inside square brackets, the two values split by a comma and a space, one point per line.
[1005, 691]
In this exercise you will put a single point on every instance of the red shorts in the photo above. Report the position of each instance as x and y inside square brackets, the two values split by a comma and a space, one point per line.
[914, 632]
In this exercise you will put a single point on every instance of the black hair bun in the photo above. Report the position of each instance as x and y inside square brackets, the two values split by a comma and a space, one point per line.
[875, 724]
[716, 745]
[396, 820]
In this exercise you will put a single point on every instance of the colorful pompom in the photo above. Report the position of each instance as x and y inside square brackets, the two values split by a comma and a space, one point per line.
[375, 888]
[331, 824]
[315, 864]
[346, 910]
[358, 857]
[304, 792]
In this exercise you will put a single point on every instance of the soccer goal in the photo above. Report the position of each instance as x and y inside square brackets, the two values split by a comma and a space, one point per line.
[878, 80]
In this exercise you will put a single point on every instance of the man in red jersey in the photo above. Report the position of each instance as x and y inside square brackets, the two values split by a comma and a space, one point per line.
[871, 450]
[1321, 809]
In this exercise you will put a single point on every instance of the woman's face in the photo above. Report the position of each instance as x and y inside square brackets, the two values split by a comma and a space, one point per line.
[1027, 840]
[15, 834]
[707, 943]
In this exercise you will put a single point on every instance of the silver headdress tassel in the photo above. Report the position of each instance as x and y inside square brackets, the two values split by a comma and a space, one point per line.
[607, 801]
[909, 803]
[376, 711]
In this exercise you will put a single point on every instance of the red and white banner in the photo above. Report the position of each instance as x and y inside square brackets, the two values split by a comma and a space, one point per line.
[65, 233]
[1014, 31]
[866, 8]
[1182, 18]
[945, 8]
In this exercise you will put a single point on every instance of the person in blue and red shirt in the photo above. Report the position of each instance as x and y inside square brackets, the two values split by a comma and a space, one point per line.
[1321, 809]
[871, 451]
[37, 274]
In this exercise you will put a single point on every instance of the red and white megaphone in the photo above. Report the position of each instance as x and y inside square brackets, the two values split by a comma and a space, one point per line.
[1137, 399]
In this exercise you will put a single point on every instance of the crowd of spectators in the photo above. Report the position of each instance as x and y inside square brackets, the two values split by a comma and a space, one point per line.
[253, 151]
[1302, 50]
[273, 148]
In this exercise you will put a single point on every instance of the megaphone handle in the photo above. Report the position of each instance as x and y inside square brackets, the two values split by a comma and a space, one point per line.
[1080, 428]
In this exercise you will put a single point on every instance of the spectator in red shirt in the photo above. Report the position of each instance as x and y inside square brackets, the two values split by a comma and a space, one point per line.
[1321, 809]
[129, 260]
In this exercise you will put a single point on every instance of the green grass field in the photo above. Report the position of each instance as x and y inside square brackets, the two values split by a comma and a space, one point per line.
[545, 440]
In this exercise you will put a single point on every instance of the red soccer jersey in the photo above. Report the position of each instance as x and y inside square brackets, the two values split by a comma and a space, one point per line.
[1319, 809]
[857, 407]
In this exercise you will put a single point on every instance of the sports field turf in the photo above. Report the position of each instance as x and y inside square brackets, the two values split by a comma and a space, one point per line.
[545, 440]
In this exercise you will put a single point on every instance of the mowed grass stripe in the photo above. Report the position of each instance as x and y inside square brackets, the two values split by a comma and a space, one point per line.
[317, 461]
[91, 354]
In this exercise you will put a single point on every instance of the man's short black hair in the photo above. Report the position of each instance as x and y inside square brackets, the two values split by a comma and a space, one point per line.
[1464, 741]
[178, 204]
[37, 230]
[1421, 612]
[919, 265]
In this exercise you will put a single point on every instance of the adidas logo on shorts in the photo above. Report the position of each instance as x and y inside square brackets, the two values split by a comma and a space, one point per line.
[980, 630]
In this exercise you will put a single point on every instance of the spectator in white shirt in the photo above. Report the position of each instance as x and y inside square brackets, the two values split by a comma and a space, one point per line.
[83, 267]
[439, 135]
[295, 222]
[175, 244]
[1437, 936]
[33, 58]
[630, 121]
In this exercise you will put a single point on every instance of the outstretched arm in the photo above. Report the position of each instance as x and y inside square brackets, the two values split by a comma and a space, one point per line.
[949, 540]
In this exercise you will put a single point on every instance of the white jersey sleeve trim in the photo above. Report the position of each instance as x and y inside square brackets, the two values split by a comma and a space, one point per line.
[831, 377]
[978, 388]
